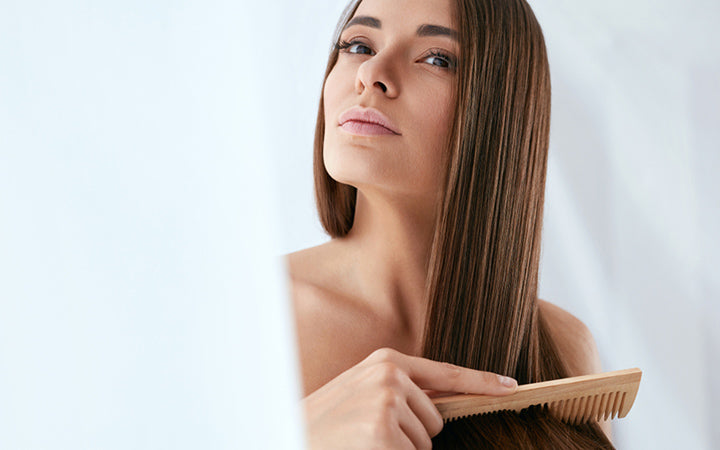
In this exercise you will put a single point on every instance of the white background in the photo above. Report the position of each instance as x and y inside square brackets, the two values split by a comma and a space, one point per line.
[155, 156]
[632, 209]
[141, 304]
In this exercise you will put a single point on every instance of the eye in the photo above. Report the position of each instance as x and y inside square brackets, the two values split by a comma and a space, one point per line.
[441, 59]
[354, 47]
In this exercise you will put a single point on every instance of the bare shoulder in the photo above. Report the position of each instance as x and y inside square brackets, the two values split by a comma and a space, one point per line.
[304, 264]
[575, 343]
[311, 280]
[331, 325]
[316, 278]
[573, 338]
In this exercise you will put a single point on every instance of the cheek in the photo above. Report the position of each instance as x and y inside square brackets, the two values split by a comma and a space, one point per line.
[436, 121]
[335, 94]
[442, 114]
[336, 88]
[329, 94]
[431, 139]
[331, 103]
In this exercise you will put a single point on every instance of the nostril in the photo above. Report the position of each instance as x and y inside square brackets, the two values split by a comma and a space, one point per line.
[382, 86]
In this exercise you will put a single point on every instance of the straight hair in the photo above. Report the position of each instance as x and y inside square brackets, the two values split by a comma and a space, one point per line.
[481, 291]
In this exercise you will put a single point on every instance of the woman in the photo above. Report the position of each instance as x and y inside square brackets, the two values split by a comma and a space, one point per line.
[430, 157]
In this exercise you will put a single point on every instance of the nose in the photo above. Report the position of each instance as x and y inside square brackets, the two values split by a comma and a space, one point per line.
[377, 74]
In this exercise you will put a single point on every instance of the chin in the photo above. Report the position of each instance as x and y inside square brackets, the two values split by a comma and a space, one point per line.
[354, 164]
[344, 174]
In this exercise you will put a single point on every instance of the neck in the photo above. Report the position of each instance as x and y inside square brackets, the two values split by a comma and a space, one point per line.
[389, 247]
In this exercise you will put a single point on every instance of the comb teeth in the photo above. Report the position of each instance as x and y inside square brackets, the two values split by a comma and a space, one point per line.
[573, 400]
[594, 407]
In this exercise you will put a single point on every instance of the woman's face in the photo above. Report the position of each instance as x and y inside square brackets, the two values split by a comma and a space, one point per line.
[388, 100]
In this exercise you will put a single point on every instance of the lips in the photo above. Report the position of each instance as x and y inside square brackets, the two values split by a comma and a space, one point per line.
[366, 122]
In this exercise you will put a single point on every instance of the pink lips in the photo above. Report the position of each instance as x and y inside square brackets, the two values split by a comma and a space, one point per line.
[366, 122]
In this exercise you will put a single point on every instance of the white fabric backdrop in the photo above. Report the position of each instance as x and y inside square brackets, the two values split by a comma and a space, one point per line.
[630, 237]
[141, 304]
[136, 189]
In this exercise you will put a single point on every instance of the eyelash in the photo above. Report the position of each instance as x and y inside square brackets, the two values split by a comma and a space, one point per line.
[343, 46]
[450, 61]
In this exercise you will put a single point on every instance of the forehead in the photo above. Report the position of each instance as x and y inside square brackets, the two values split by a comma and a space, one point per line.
[409, 12]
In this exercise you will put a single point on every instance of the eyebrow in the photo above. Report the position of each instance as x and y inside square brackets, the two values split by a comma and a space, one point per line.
[422, 31]
[436, 30]
[364, 20]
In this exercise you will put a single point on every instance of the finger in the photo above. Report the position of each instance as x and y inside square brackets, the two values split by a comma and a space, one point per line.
[413, 428]
[440, 376]
[434, 394]
[451, 378]
[403, 442]
[424, 409]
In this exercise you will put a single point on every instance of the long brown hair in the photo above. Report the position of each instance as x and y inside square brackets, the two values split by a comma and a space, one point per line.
[483, 269]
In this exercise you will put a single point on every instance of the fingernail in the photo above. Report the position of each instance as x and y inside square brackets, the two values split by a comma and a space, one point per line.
[507, 381]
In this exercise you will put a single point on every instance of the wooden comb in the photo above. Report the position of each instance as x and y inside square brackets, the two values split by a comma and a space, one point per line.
[573, 400]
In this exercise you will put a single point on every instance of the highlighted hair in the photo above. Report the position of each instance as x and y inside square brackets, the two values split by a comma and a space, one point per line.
[483, 268]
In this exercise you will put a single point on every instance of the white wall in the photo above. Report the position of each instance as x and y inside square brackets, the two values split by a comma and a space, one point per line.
[629, 242]
[632, 199]
[141, 304]
[143, 146]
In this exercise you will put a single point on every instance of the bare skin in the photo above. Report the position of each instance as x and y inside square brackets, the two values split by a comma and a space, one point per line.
[359, 300]
[337, 330]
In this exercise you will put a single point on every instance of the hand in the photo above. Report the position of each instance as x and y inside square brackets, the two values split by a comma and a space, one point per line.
[380, 402]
